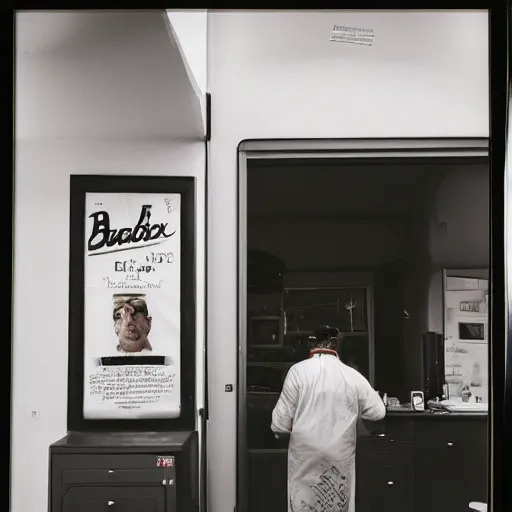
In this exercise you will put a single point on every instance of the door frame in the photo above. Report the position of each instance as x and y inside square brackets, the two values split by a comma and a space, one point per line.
[371, 148]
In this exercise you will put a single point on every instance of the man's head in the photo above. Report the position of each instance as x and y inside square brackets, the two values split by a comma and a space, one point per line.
[326, 337]
[131, 322]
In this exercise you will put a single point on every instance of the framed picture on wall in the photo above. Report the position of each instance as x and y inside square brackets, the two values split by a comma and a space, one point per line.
[131, 304]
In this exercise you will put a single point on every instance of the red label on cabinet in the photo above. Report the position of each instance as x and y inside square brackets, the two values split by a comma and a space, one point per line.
[165, 462]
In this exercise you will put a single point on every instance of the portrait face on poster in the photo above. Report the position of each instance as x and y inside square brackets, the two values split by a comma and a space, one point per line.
[132, 305]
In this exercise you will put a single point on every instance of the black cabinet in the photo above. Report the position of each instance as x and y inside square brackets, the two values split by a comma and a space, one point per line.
[411, 463]
[124, 472]
[451, 464]
[384, 474]
[114, 499]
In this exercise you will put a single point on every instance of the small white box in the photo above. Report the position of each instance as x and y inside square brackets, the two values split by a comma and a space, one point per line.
[417, 401]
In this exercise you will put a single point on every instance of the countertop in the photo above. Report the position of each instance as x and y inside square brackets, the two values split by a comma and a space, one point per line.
[271, 445]
[429, 413]
[120, 441]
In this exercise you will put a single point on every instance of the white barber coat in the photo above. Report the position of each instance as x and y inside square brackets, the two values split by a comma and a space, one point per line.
[320, 403]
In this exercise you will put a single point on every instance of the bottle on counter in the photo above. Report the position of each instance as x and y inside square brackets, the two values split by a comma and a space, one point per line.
[446, 392]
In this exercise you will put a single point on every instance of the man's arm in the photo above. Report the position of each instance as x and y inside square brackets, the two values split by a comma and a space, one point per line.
[284, 411]
[371, 406]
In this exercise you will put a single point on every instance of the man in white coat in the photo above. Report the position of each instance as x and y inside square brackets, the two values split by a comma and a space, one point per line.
[319, 406]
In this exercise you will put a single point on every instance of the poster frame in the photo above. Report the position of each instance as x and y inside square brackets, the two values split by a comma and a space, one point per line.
[80, 185]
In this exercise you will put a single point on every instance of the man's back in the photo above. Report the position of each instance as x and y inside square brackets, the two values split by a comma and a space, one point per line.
[319, 406]
[328, 404]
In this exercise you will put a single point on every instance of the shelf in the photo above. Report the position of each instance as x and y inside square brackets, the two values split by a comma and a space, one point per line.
[264, 393]
[280, 364]
[312, 333]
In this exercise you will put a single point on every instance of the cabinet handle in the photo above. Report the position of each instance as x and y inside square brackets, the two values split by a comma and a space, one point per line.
[110, 503]
[391, 483]
[164, 482]
[110, 472]
[171, 481]
[450, 444]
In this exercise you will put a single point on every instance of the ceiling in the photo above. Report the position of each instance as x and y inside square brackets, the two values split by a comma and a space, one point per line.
[101, 74]
[339, 189]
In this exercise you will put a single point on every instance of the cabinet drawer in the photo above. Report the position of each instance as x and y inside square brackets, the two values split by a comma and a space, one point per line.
[384, 451]
[112, 476]
[384, 478]
[461, 430]
[383, 487]
[106, 462]
[390, 492]
[116, 499]
[399, 428]
[451, 451]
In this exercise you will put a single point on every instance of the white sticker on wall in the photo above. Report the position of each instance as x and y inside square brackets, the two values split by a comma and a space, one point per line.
[352, 35]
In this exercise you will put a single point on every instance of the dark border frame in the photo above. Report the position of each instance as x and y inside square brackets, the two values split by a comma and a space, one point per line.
[500, 491]
[79, 186]
[496, 258]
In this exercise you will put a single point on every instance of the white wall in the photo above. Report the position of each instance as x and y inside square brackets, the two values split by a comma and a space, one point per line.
[276, 75]
[104, 75]
[40, 331]
[77, 114]
[435, 302]
[190, 30]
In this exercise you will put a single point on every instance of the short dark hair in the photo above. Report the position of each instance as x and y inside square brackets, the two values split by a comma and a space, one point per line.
[326, 337]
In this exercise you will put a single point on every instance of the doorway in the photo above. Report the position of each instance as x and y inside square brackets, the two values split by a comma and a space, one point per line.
[352, 233]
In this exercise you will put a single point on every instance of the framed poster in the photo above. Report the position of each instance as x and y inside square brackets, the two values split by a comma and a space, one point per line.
[131, 316]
